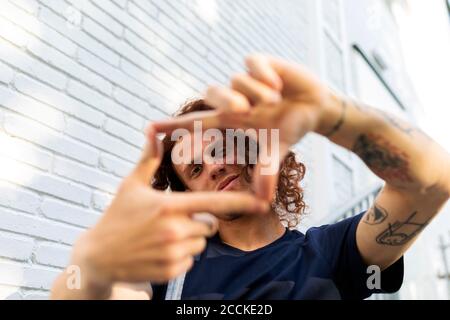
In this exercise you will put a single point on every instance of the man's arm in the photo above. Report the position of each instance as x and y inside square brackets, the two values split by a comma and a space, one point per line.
[277, 94]
[91, 291]
[416, 171]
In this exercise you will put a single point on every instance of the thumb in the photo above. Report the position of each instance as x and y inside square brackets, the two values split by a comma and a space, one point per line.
[151, 158]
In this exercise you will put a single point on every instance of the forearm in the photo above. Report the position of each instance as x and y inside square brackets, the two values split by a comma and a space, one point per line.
[78, 281]
[397, 152]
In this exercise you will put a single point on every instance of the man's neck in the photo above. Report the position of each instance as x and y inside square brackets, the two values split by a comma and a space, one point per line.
[249, 233]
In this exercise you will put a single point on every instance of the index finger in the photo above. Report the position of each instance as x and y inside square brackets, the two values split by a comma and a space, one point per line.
[263, 69]
[208, 119]
[218, 203]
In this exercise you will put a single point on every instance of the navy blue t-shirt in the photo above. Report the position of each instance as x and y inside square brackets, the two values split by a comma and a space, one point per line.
[323, 263]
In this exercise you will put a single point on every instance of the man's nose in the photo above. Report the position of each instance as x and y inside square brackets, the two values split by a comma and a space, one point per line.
[216, 170]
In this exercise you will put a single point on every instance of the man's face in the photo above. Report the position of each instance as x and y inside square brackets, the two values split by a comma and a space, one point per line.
[212, 175]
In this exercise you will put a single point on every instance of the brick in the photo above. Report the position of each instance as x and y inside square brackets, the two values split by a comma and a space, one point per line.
[100, 15]
[116, 76]
[30, 6]
[76, 36]
[10, 292]
[131, 101]
[18, 198]
[27, 276]
[18, 126]
[31, 108]
[26, 176]
[93, 98]
[61, 211]
[13, 33]
[101, 140]
[33, 67]
[121, 3]
[59, 100]
[125, 133]
[146, 6]
[146, 78]
[6, 74]
[36, 28]
[135, 57]
[160, 31]
[85, 175]
[52, 254]
[37, 227]
[25, 152]
[36, 295]
[154, 114]
[100, 32]
[70, 66]
[115, 165]
[15, 247]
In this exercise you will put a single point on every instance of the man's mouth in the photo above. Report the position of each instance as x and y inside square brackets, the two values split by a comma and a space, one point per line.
[227, 182]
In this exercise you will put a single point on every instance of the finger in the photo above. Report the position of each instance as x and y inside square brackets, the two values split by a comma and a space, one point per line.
[177, 251]
[255, 90]
[260, 68]
[294, 77]
[150, 159]
[200, 119]
[173, 270]
[208, 219]
[219, 204]
[227, 100]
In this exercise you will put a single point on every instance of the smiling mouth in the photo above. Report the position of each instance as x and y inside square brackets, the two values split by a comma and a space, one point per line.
[227, 182]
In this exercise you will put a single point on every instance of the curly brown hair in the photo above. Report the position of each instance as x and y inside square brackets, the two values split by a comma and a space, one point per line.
[288, 202]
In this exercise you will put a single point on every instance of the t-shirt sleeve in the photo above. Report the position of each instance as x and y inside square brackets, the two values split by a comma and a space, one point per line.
[337, 243]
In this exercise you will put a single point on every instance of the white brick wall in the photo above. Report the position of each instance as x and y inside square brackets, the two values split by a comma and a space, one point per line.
[75, 98]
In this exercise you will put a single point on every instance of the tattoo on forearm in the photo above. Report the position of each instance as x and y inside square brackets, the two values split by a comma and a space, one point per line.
[341, 120]
[400, 233]
[382, 157]
[375, 215]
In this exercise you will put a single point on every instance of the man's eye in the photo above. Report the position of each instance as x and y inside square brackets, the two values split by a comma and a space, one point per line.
[196, 170]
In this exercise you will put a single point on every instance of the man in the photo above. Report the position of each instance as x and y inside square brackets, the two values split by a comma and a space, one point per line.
[255, 256]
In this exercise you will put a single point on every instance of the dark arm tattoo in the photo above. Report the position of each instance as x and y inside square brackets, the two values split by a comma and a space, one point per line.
[340, 122]
[400, 233]
[382, 157]
[375, 215]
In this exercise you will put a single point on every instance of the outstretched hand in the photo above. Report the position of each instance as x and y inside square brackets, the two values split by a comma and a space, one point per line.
[274, 94]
